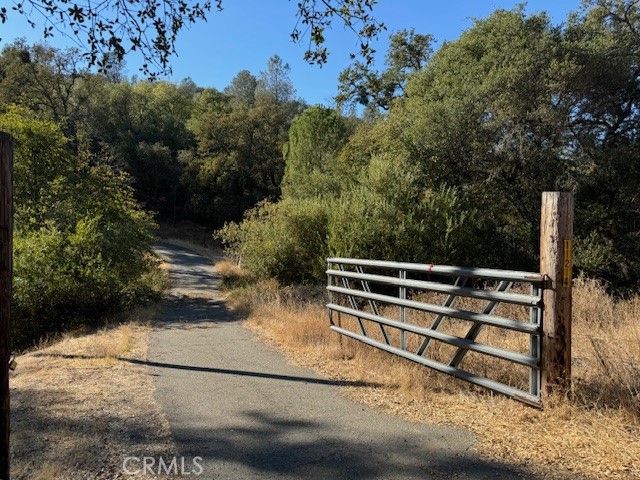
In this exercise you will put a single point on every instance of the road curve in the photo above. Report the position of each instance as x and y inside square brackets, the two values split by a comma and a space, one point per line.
[248, 414]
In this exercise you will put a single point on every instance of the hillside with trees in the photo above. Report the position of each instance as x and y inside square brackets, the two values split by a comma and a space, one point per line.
[446, 164]
[458, 146]
[99, 156]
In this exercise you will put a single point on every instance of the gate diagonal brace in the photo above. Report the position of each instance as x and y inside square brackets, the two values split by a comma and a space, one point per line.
[373, 305]
[476, 328]
[352, 301]
[448, 302]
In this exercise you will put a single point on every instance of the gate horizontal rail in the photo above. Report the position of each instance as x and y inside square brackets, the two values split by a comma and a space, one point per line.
[446, 311]
[444, 337]
[487, 273]
[441, 288]
[367, 297]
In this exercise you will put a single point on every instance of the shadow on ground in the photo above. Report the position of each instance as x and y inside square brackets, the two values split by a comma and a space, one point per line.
[255, 416]
[56, 432]
[219, 371]
[277, 447]
[187, 312]
[269, 446]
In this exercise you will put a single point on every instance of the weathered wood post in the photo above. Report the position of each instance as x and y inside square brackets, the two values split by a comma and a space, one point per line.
[6, 272]
[556, 236]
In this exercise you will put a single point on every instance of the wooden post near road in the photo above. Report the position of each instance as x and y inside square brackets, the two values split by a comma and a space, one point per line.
[6, 274]
[556, 237]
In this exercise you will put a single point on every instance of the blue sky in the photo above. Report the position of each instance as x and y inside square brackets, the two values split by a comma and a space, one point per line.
[247, 32]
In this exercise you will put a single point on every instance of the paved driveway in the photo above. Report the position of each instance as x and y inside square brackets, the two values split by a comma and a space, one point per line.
[249, 414]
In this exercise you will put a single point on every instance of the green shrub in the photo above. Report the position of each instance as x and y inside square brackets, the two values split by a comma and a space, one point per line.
[285, 240]
[82, 246]
[391, 217]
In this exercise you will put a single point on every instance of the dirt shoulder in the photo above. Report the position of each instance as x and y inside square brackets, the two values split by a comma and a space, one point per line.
[84, 404]
[79, 408]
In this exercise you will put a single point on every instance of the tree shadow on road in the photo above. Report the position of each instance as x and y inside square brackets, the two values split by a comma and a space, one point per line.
[267, 446]
[220, 371]
[187, 312]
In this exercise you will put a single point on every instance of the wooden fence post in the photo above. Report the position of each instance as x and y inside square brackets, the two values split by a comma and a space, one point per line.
[6, 273]
[556, 236]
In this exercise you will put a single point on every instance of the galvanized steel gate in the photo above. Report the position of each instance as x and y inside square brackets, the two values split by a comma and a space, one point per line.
[368, 291]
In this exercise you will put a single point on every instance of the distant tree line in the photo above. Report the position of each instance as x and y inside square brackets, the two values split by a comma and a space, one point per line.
[190, 152]
[98, 155]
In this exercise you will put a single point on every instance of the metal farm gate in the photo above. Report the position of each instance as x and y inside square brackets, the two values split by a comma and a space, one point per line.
[366, 289]
[439, 315]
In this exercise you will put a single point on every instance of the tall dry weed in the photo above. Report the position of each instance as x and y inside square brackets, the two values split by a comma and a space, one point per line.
[606, 349]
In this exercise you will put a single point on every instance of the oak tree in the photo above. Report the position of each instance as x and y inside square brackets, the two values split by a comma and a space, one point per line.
[408, 53]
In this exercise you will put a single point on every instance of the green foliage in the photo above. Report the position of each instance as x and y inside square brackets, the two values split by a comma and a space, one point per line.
[514, 107]
[482, 112]
[408, 53]
[452, 173]
[238, 159]
[190, 152]
[315, 139]
[81, 242]
[44, 79]
[142, 128]
[594, 256]
[388, 216]
[242, 89]
[285, 240]
[275, 81]
[391, 216]
[517, 106]
[41, 159]
[603, 90]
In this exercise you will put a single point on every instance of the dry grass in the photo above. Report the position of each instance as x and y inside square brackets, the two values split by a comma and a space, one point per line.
[79, 408]
[593, 433]
[231, 274]
[606, 354]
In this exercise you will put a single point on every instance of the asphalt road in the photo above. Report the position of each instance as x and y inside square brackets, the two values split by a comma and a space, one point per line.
[248, 414]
